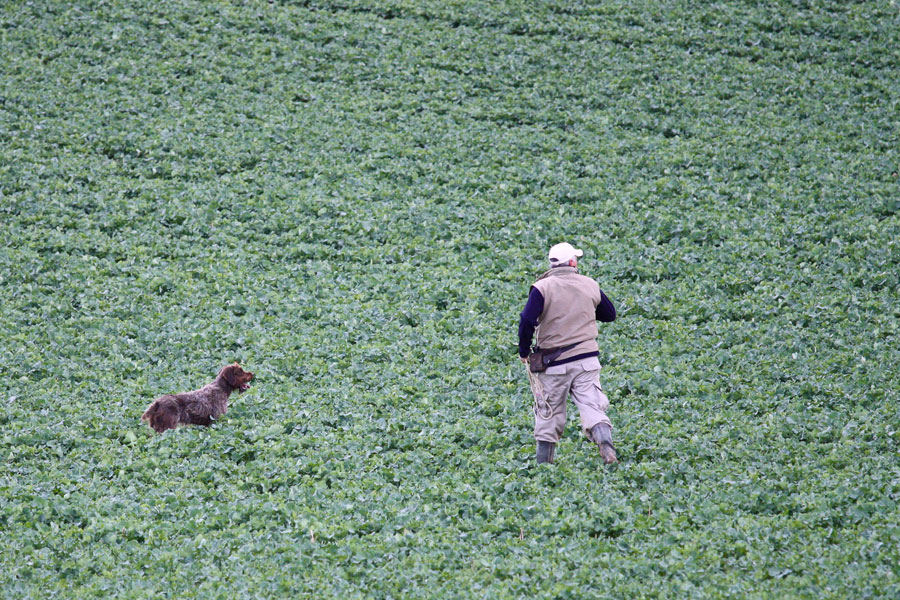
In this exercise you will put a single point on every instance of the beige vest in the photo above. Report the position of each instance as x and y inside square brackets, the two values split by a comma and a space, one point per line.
[570, 311]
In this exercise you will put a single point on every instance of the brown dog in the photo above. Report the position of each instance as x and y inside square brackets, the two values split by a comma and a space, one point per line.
[200, 407]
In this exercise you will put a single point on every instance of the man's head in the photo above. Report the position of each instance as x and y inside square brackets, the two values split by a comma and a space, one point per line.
[564, 255]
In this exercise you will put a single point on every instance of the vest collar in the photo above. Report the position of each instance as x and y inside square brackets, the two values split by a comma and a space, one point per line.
[557, 271]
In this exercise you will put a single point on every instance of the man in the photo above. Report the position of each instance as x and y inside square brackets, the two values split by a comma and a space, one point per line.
[565, 307]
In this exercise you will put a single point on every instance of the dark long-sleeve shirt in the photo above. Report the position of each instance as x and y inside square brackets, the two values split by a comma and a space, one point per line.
[528, 321]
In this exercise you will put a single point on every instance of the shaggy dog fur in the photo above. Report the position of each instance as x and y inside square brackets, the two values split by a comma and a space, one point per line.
[200, 407]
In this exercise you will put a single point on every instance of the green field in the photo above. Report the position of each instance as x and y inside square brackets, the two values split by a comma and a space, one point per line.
[352, 198]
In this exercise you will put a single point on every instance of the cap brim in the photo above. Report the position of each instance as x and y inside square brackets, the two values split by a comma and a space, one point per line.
[579, 253]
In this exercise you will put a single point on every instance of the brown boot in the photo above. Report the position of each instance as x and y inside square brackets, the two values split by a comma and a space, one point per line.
[601, 433]
[545, 452]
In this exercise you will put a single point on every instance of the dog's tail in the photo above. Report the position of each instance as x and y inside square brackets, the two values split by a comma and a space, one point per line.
[162, 414]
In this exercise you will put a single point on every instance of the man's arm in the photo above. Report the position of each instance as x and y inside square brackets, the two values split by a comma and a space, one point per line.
[528, 320]
[606, 312]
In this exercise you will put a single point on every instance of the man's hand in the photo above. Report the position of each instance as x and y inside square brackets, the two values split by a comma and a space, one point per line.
[524, 359]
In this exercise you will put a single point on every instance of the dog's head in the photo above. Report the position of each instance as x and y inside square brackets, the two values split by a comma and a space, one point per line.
[236, 377]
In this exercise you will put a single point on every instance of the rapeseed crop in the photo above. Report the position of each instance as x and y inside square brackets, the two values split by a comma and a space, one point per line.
[352, 199]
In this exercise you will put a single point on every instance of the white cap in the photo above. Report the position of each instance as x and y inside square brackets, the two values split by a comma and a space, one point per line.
[563, 253]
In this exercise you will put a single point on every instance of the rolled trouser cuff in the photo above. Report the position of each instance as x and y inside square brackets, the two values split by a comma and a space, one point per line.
[601, 419]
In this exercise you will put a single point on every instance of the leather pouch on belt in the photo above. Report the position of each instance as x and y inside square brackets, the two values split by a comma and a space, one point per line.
[539, 359]
[536, 362]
